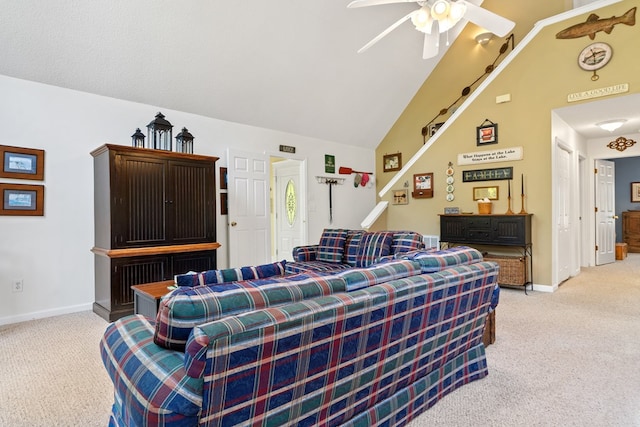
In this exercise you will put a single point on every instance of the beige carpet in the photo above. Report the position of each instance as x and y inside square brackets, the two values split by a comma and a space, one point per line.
[571, 358]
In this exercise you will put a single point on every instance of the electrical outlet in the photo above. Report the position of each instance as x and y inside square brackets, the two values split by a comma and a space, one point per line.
[17, 285]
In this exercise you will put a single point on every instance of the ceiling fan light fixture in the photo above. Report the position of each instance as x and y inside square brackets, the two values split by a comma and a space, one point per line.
[440, 9]
[422, 20]
[458, 9]
[611, 125]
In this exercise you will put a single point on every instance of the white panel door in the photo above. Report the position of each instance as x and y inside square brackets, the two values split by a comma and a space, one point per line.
[290, 209]
[605, 212]
[249, 216]
[563, 217]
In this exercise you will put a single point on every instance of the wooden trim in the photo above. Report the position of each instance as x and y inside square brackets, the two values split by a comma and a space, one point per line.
[155, 250]
[146, 151]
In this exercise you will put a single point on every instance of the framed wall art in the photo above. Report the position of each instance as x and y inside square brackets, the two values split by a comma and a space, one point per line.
[223, 178]
[392, 162]
[22, 199]
[491, 193]
[635, 192]
[487, 133]
[422, 185]
[224, 204]
[22, 163]
[400, 197]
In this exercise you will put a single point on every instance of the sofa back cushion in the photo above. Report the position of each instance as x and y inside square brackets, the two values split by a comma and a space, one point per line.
[331, 246]
[373, 245]
[406, 241]
[352, 245]
[186, 307]
[231, 274]
[432, 261]
[357, 278]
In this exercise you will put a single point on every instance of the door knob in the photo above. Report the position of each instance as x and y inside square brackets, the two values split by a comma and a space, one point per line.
[233, 224]
[615, 217]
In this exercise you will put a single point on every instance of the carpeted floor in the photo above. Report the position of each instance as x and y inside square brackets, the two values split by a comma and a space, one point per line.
[571, 358]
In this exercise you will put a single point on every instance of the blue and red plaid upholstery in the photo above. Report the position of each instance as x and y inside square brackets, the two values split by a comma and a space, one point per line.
[151, 387]
[306, 257]
[357, 278]
[314, 267]
[352, 243]
[406, 241]
[305, 253]
[231, 274]
[331, 246]
[186, 307]
[373, 246]
[347, 356]
[432, 261]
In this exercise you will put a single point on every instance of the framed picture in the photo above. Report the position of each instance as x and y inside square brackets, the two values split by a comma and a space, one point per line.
[491, 193]
[22, 163]
[635, 192]
[329, 163]
[22, 199]
[422, 185]
[400, 197]
[433, 128]
[392, 162]
[487, 134]
[224, 204]
[223, 178]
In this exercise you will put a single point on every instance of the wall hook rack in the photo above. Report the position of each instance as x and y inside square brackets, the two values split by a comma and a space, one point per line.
[329, 180]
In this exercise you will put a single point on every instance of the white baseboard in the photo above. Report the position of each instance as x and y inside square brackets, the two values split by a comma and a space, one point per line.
[44, 314]
[545, 288]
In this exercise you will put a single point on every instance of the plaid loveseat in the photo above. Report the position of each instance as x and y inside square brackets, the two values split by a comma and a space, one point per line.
[383, 344]
[340, 249]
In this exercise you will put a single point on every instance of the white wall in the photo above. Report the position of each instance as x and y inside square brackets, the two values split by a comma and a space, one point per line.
[52, 253]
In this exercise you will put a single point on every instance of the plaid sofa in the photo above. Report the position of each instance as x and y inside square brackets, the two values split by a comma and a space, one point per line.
[378, 352]
[340, 249]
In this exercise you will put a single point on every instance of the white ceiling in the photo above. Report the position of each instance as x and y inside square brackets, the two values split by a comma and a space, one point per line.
[289, 65]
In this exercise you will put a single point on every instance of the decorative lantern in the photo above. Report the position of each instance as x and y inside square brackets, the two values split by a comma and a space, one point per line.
[159, 133]
[137, 139]
[184, 142]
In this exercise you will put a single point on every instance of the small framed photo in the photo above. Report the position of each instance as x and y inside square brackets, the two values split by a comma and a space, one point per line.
[487, 134]
[635, 192]
[491, 193]
[22, 199]
[392, 162]
[400, 197]
[22, 163]
[223, 178]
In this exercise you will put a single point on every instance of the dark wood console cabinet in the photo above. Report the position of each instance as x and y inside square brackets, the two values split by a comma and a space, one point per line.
[154, 215]
[491, 230]
[631, 230]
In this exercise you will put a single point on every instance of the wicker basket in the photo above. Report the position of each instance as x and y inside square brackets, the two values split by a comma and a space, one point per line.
[484, 208]
[513, 269]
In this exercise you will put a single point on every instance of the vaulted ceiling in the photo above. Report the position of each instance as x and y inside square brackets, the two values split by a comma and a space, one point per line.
[289, 65]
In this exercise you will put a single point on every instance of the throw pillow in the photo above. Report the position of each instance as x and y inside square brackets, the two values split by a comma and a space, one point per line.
[351, 245]
[373, 246]
[331, 246]
[231, 274]
[406, 241]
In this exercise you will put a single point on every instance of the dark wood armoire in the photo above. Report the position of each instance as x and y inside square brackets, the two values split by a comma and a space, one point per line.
[155, 216]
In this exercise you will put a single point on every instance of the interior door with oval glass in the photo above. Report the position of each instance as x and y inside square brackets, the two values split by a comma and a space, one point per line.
[289, 202]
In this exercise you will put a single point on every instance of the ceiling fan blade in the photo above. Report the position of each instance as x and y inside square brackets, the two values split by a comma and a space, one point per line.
[431, 42]
[488, 20]
[363, 3]
[387, 31]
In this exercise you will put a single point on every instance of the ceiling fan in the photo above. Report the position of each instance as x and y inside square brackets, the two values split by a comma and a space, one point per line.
[445, 14]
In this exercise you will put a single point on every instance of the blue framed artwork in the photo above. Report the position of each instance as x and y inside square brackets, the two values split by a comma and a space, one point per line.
[22, 163]
[22, 199]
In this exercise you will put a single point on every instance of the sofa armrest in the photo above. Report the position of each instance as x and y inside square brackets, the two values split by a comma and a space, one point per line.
[305, 253]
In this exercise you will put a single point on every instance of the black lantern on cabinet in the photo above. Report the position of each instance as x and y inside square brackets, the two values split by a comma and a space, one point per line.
[159, 133]
[137, 139]
[184, 142]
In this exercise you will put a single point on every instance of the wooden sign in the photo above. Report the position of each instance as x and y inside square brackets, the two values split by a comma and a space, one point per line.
[487, 174]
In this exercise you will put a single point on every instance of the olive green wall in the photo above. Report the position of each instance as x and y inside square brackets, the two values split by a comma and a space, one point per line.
[538, 80]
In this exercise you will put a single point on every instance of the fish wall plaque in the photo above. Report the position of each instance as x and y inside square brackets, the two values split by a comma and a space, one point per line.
[594, 24]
